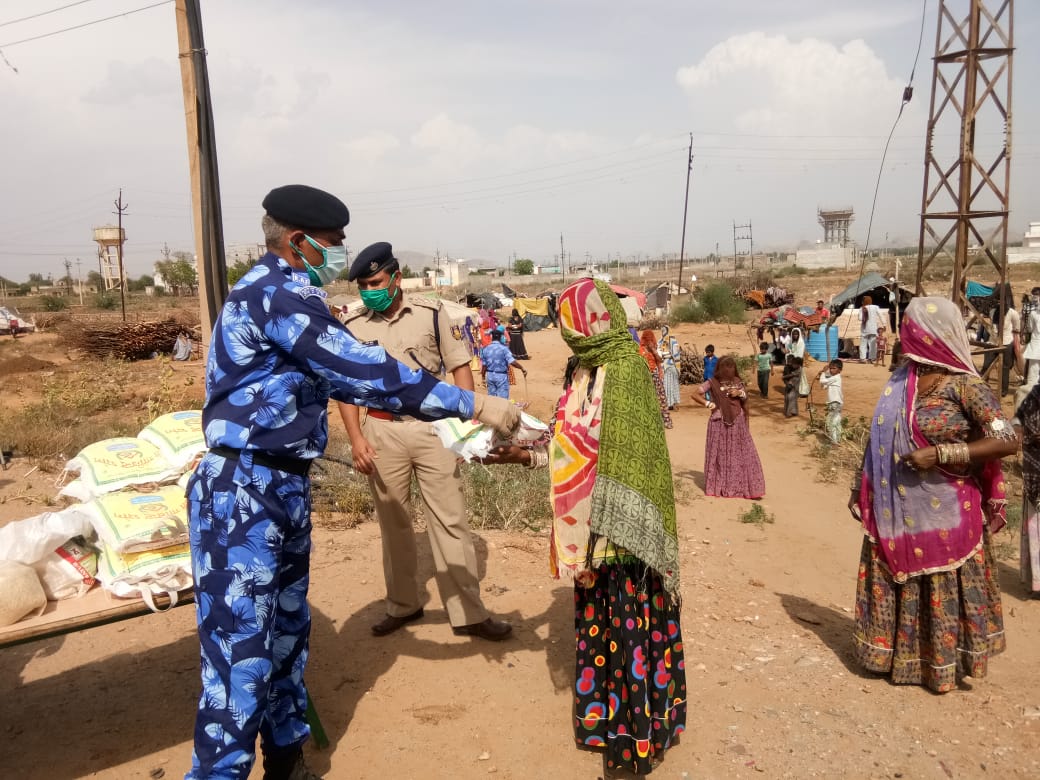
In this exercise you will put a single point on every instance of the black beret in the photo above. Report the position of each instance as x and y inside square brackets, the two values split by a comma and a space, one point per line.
[371, 260]
[300, 206]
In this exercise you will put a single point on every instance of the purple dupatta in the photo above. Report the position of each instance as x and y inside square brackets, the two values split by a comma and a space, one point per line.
[922, 522]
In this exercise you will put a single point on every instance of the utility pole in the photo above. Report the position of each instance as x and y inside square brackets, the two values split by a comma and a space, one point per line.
[685, 208]
[202, 161]
[79, 279]
[120, 210]
[563, 261]
[68, 276]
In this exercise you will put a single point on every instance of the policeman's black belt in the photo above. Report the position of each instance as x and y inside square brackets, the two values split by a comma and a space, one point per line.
[298, 466]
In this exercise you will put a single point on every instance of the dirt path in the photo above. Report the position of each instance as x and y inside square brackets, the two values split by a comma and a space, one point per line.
[766, 616]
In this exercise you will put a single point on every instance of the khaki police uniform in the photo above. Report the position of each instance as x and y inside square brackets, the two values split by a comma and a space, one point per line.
[405, 445]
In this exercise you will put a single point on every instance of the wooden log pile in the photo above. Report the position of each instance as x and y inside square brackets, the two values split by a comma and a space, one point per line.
[691, 366]
[128, 340]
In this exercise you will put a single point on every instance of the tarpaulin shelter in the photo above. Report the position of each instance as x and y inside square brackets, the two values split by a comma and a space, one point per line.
[625, 292]
[484, 300]
[872, 284]
[538, 306]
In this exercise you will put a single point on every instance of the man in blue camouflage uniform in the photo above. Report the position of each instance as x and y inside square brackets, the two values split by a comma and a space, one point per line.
[277, 356]
[495, 360]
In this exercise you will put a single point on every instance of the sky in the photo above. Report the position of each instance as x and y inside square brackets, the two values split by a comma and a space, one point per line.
[480, 130]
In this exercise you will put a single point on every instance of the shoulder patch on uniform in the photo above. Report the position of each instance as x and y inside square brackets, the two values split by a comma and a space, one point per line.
[425, 303]
[350, 316]
[310, 291]
[456, 332]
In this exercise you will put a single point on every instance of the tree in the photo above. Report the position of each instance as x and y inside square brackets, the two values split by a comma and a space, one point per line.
[407, 273]
[35, 279]
[236, 271]
[179, 274]
[95, 280]
[523, 267]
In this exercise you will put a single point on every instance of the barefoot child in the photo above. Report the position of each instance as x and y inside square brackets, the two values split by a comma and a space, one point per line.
[882, 346]
[830, 379]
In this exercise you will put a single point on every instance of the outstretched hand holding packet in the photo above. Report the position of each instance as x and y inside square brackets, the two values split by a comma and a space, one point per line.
[474, 440]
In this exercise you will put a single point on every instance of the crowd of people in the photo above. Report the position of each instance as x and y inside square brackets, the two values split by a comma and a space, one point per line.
[929, 495]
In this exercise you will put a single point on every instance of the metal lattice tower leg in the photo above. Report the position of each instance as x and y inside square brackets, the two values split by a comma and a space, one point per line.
[964, 212]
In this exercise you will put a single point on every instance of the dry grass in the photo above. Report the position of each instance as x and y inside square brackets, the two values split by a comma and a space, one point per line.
[499, 497]
[96, 402]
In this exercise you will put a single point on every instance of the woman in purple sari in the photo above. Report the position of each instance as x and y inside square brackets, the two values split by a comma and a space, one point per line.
[930, 494]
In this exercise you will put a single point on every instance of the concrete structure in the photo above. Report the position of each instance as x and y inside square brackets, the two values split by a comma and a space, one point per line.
[826, 257]
[109, 238]
[835, 224]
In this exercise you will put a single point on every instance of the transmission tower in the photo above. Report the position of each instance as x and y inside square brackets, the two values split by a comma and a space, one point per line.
[742, 236]
[964, 213]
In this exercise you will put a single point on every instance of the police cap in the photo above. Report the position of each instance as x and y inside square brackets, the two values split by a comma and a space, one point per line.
[371, 260]
[306, 207]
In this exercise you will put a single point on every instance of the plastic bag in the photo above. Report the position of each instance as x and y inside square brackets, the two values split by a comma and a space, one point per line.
[68, 571]
[146, 574]
[29, 540]
[471, 440]
[21, 594]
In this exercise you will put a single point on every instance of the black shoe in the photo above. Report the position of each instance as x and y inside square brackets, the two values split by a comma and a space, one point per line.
[391, 623]
[287, 766]
[490, 629]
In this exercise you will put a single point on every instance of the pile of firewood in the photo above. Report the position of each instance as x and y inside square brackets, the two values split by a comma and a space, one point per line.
[128, 340]
[691, 367]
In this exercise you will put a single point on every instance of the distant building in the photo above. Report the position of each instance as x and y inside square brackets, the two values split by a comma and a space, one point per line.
[1029, 252]
[246, 253]
[835, 251]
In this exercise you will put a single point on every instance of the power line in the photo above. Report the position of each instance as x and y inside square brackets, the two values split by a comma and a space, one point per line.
[85, 24]
[44, 13]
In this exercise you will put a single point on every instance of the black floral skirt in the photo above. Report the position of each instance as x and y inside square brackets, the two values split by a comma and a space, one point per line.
[630, 689]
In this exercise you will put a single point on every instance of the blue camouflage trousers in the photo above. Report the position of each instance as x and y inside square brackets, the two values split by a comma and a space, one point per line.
[250, 534]
[498, 384]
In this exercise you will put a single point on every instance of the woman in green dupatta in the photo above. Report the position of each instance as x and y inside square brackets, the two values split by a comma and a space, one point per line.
[614, 536]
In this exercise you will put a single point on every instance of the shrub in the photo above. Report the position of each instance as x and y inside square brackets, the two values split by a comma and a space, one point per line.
[53, 303]
[105, 301]
[791, 270]
[716, 303]
[757, 515]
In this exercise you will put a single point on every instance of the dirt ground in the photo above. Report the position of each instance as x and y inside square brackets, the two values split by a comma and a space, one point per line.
[767, 619]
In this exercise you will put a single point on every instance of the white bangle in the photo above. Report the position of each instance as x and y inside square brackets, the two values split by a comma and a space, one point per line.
[539, 459]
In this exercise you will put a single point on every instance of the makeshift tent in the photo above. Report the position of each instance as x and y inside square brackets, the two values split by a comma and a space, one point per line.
[872, 284]
[484, 300]
[633, 314]
[626, 292]
[538, 306]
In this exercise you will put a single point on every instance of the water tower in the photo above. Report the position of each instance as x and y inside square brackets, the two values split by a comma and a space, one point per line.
[835, 224]
[109, 239]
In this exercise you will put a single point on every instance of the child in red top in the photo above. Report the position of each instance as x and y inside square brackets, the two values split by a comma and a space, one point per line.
[882, 346]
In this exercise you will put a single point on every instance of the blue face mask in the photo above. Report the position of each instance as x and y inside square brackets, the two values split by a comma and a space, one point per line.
[334, 260]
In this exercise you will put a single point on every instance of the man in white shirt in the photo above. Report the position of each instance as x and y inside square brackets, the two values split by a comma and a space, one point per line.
[870, 317]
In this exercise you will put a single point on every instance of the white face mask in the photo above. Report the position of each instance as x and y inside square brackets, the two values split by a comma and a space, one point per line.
[334, 260]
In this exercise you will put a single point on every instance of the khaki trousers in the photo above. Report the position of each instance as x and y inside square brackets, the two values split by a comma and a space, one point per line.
[404, 447]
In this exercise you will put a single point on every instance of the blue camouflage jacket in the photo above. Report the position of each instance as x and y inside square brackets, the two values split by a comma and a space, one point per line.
[277, 355]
